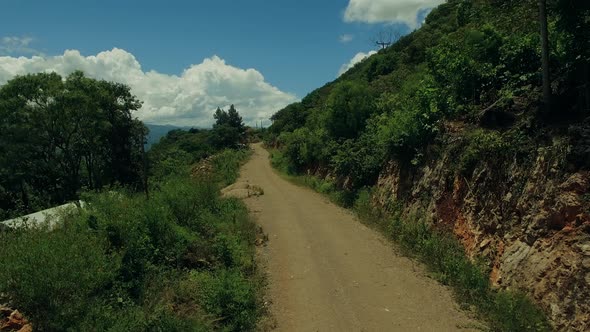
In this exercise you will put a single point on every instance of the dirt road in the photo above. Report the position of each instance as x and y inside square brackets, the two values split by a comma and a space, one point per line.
[328, 272]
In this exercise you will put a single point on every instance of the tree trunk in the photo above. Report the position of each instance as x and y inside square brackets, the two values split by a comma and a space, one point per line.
[545, 55]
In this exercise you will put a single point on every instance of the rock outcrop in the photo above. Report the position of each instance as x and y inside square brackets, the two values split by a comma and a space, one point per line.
[13, 320]
[242, 190]
[530, 219]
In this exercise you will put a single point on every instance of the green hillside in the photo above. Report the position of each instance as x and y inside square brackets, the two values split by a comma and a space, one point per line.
[475, 62]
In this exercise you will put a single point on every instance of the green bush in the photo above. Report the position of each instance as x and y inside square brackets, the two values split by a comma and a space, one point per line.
[362, 205]
[123, 263]
[348, 107]
[187, 200]
[409, 121]
[305, 147]
[54, 277]
[230, 297]
[482, 145]
[279, 160]
[360, 161]
[226, 165]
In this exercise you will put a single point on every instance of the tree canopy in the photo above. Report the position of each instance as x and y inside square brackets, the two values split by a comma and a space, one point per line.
[229, 128]
[60, 135]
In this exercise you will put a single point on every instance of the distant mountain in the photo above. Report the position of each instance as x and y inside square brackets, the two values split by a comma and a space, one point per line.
[159, 131]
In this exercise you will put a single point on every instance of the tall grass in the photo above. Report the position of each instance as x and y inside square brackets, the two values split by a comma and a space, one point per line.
[181, 261]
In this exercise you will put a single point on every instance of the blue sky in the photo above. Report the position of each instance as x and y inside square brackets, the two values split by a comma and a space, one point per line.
[296, 46]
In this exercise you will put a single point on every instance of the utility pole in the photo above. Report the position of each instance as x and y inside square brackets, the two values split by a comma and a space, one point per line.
[383, 45]
[545, 56]
[385, 38]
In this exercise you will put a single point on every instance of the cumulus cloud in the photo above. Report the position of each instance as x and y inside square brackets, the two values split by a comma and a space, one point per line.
[16, 45]
[356, 59]
[189, 99]
[388, 11]
[344, 39]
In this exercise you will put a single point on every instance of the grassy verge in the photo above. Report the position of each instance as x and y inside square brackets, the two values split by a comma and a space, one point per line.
[439, 251]
[182, 261]
[328, 188]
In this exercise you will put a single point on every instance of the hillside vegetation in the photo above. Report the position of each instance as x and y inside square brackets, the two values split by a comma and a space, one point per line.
[475, 62]
[155, 247]
[443, 141]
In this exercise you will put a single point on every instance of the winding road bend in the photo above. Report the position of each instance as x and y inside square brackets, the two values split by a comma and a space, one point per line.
[329, 272]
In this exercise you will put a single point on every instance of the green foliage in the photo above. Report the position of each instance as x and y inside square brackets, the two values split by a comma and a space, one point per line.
[482, 145]
[54, 276]
[225, 136]
[492, 147]
[412, 122]
[172, 161]
[305, 147]
[180, 149]
[286, 120]
[360, 160]
[227, 165]
[469, 61]
[59, 136]
[348, 107]
[125, 263]
[229, 296]
[177, 151]
[229, 129]
[279, 161]
[465, 65]
[467, 56]
[362, 204]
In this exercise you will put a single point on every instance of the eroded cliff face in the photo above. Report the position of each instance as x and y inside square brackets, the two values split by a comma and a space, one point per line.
[529, 219]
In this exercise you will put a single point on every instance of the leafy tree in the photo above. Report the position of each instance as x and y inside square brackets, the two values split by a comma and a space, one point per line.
[229, 128]
[225, 136]
[58, 136]
[348, 107]
[289, 118]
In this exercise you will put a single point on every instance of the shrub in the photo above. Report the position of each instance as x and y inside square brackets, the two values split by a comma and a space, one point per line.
[230, 297]
[226, 165]
[54, 276]
[117, 265]
[482, 145]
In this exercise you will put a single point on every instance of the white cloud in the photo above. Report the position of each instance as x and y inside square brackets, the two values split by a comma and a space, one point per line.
[360, 56]
[344, 39]
[188, 100]
[387, 11]
[12, 45]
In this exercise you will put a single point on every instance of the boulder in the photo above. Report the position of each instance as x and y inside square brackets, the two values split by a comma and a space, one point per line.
[242, 190]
